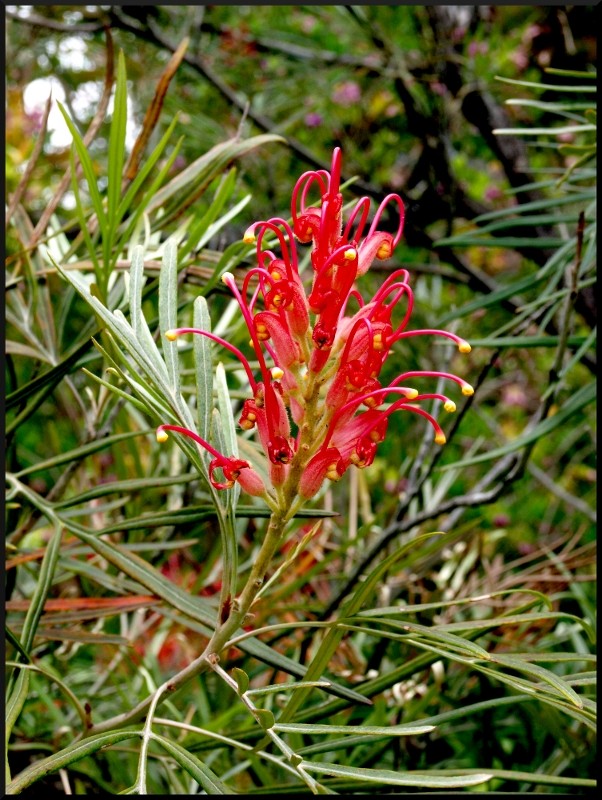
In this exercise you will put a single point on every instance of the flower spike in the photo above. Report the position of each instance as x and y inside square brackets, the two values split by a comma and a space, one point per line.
[317, 405]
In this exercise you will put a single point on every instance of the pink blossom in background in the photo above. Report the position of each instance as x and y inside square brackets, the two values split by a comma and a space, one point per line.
[475, 48]
[493, 193]
[346, 93]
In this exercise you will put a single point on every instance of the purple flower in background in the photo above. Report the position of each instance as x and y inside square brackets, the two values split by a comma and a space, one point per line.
[313, 119]
[346, 93]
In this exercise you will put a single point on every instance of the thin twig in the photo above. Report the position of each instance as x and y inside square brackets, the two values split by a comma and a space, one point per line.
[31, 163]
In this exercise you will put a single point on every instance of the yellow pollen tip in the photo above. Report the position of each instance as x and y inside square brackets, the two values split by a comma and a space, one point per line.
[162, 437]
[449, 406]
[277, 373]
[467, 390]
[384, 251]
[276, 275]
[411, 393]
[464, 347]
[227, 278]
[377, 341]
[249, 237]
[332, 473]
[350, 254]
[171, 335]
[440, 438]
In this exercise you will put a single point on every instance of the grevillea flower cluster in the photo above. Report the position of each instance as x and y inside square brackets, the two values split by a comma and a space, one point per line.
[317, 402]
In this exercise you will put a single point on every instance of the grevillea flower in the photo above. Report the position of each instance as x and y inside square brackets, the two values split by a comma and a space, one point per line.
[317, 402]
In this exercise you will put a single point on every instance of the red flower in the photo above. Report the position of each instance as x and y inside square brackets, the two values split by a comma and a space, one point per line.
[320, 365]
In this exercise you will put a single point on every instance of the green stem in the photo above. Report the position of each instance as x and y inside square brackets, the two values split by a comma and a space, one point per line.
[221, 636]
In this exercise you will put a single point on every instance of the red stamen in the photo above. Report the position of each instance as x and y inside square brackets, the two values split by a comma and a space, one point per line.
[379, 212]
[241, 357]
[362, 206]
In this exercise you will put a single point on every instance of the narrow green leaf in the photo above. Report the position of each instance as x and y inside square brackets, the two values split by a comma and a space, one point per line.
[116, 390]
[279, 688]
[552, 131]
[49, 379]
[203, 367]
[197, 233]
[197, 770]
[124, 487]
[530, 341]
[418, 608]
[533, 205]
[586, 394]
[10, 636]
[139, 570]
[331, 640]
[227, 429]
[67, 756]
[493, 298]
[141, 205]
[159, 519]
[434, 633]
[42, 588]
[168, 306]
[210, 164]
[83, 221]
[536, 672]
[121, 330]
[88, 168]
[81, 452]
[116, 155]
[412, 729]
[225, 411]
[137, 319]
[550, 87]
[16, 700]
[517, 619]
[17, 691]
[425, 780]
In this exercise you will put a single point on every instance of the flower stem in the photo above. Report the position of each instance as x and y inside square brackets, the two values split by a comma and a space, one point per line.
[221, 635]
